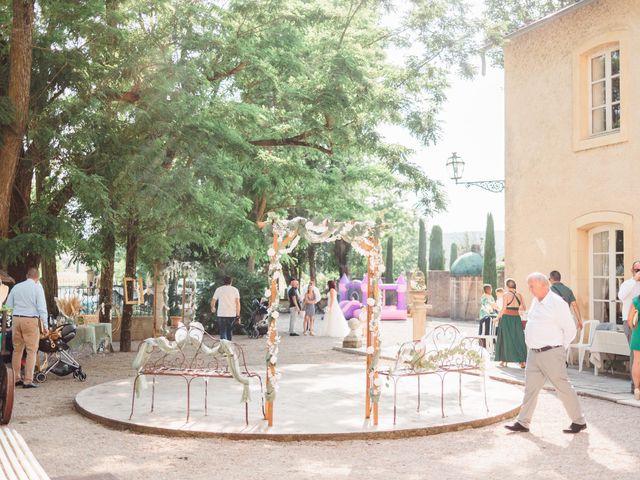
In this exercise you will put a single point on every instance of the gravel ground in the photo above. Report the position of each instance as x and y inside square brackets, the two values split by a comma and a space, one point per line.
[70, 446]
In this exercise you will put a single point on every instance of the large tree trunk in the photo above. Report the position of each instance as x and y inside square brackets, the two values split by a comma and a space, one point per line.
[11, 135]
[129, 271]
[251, 264]
[341, 249]
[50, 283]
[19, 213]
[107, 264]
[288, 272]
[311, 257]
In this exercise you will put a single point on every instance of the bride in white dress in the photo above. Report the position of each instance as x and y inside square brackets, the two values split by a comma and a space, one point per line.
[334, 325]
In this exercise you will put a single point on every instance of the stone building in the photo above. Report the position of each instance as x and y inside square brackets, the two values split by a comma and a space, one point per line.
[572, 148]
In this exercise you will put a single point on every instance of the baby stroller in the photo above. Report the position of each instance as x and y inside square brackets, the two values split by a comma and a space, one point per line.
[258, 324]
[60, 362]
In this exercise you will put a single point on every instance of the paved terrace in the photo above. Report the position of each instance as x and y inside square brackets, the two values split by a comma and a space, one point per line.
[604, 386]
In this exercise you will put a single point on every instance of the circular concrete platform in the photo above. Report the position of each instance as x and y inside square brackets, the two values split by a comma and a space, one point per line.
[314, 402]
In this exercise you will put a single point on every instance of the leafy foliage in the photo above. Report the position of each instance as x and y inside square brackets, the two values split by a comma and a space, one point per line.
[502, 17]
[174, 126]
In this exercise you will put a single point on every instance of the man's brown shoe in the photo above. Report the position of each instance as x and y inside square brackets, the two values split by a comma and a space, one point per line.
[516, 427]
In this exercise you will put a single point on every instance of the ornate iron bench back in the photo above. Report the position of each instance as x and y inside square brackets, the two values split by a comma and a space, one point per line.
[442, 349]
[193, 353]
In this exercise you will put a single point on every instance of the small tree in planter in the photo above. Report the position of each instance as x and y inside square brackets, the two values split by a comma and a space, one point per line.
[422, 249]
[489, 271]
[453, 255]
[436, 250]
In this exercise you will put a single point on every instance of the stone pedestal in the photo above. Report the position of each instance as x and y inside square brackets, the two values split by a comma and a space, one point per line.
[419, 317]
[353, 340]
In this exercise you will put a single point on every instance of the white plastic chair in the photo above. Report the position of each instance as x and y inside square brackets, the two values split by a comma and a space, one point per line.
[585, 340]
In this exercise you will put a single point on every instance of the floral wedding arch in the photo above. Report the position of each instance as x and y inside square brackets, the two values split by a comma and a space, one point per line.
[364, 237]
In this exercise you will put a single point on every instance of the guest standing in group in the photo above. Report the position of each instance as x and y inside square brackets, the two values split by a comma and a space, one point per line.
[29, 319]
[510, 344]
[550, 330]
[295, 306]
[226, 299]
[567, 295]
[630, 289]
[499, 298]
[488, 310]
[632, 323]
[309, 304]
[316, 292]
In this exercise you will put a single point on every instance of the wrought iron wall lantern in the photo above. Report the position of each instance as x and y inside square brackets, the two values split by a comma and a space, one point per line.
[455, 164]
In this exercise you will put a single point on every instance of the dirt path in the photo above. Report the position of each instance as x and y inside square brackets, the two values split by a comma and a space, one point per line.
[70, 446]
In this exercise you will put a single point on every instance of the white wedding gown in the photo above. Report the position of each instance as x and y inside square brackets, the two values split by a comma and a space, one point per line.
[334, 324]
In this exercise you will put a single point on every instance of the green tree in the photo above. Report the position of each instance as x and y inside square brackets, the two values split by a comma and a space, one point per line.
[422, 248]
[436, 249]
[489, 271]
[453, 255]
[168, 129]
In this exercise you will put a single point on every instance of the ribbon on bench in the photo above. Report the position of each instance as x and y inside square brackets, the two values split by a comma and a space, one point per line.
[193, 336]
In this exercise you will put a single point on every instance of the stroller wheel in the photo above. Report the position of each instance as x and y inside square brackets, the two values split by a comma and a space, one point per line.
[80, 375]
[40, 377]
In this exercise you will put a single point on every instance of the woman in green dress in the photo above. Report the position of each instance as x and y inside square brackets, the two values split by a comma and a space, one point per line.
[632, 320]
[510, 345]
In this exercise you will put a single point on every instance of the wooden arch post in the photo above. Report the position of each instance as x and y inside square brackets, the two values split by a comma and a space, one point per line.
[273, 331]
[372, 337]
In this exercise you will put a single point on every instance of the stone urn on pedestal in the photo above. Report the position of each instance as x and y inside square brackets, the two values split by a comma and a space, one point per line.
[418, 296]
[353, 339]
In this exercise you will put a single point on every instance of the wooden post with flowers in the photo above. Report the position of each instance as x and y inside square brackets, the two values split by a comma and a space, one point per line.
[273, 299]
[272, 336]
[376, 336]
[367, 403]
[374, 258]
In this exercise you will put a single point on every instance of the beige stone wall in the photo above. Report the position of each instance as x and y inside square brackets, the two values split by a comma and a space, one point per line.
[465, 297]
[438, 286]
[560, 184]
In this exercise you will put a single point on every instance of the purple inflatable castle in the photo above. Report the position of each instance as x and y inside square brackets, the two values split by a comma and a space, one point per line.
[353, 297]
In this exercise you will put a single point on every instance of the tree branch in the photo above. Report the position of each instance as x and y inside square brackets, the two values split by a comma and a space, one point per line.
[228, 73]
[290, 142]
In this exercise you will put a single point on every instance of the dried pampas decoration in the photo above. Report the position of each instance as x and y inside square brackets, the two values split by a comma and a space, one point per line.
[69, 306]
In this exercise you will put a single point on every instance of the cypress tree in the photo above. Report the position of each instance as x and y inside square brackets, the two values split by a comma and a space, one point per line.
[453, 255]
[489, 270]
[422, 249]
[388, 271]
[436, 250]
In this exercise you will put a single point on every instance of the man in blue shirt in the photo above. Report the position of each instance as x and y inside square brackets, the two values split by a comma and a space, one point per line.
[29, 307]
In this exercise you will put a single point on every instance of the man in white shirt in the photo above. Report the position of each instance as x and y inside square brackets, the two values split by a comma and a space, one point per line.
[550, 330]
[227, 300]
[628, 291]
[29, 309]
